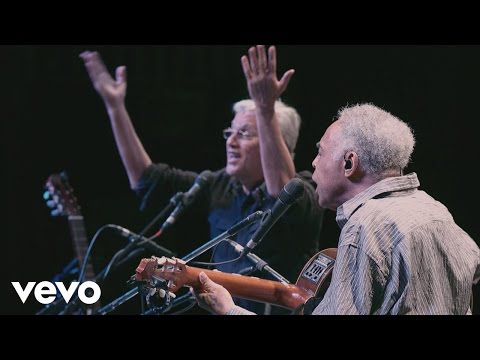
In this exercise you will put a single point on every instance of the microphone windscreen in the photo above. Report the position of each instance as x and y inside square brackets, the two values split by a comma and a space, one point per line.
[204, 177]
[292, 191]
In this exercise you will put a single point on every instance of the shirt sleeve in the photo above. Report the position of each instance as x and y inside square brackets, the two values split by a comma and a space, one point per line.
[237, 310]
[356, 287]
[159, 182]
[476, 277]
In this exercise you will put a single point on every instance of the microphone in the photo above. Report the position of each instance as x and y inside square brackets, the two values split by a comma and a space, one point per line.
[290, 193]
[148, 244]
[259, 263]
[250, 219]
[200, 182]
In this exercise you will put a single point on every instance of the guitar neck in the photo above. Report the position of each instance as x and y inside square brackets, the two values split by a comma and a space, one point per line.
[80, 243]
[251, 288]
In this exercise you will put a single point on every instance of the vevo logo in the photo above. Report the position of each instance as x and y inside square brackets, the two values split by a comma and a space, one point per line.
[45, 292]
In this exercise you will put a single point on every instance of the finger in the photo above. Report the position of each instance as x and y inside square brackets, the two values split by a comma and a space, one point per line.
[286, 79]
[246, 67]
[272, 59]
[85, 54]
[262, 58]
[121, 75]
[95, 65]
[205, 298]
[208, 284]
[253, 60]
[203, 278]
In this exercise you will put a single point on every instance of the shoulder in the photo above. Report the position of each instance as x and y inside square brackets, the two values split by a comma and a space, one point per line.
[306, 176]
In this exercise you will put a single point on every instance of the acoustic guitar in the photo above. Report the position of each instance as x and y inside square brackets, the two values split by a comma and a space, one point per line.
[60, 198]
[312, 282]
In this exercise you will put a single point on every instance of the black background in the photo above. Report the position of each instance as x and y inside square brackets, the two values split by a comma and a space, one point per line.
[179, 98]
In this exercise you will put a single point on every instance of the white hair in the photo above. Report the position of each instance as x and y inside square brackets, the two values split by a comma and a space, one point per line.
[288, 119]
[382, 141]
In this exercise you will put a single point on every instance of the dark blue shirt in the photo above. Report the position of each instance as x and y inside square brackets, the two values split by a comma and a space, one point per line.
[292, 241]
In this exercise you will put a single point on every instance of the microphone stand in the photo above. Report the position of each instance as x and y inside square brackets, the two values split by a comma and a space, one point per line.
[47, 310]
[223, 236]
[173, 202]
[259, 263]
[134, 241]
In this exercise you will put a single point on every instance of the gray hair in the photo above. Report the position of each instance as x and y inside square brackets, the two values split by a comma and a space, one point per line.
[382, 141]
[288, 119]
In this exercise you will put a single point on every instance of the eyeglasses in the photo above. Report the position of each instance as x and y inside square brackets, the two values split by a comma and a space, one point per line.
[241, 134]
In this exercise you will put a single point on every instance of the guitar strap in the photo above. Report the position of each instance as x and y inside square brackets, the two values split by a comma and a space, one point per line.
[311, 304]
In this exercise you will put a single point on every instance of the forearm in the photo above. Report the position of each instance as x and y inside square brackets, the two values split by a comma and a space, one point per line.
[134, 157]
[277, 162]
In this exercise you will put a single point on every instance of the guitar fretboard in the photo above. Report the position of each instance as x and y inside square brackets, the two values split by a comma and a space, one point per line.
[80, 243]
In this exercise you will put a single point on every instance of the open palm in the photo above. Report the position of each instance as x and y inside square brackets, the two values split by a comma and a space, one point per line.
[113, 91]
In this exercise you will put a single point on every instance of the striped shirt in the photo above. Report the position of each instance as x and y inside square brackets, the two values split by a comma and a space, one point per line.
[400, 252]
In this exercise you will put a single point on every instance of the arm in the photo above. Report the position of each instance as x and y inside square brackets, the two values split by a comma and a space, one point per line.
[265, 89]
[216, 299]
[134, 157]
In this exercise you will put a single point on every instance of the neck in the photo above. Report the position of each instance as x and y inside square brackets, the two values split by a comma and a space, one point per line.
[355, 186]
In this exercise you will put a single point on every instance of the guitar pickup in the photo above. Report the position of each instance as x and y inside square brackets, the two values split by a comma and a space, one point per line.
[318, 267]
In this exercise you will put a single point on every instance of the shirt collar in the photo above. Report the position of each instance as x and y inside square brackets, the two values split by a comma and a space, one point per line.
[258, 194]
[388, 185]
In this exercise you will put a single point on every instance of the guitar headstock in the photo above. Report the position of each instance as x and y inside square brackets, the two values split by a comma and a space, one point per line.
[59, 196]
[155, 270]
[161, 278]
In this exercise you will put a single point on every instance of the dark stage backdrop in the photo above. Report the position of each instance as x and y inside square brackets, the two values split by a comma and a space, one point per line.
[179, 98]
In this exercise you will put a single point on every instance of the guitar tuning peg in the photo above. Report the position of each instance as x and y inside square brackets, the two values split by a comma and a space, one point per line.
[46, 195]
[179, 261]
[161, 261]
[55, 212]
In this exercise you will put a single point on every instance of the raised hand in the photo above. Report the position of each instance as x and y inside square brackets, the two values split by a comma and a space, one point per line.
[112, 91]
[261, 74]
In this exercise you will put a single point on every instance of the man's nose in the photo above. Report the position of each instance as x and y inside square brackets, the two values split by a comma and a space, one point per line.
[232, 139]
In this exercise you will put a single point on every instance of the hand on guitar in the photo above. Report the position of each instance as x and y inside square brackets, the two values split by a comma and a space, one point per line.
[213, 297]
[172, 274]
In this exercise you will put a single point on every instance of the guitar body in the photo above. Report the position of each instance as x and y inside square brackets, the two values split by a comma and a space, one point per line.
[312, 282]
[316, 276]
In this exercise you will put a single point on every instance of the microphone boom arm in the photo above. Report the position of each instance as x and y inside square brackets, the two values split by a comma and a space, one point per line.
[259, 263]
[226, 234]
